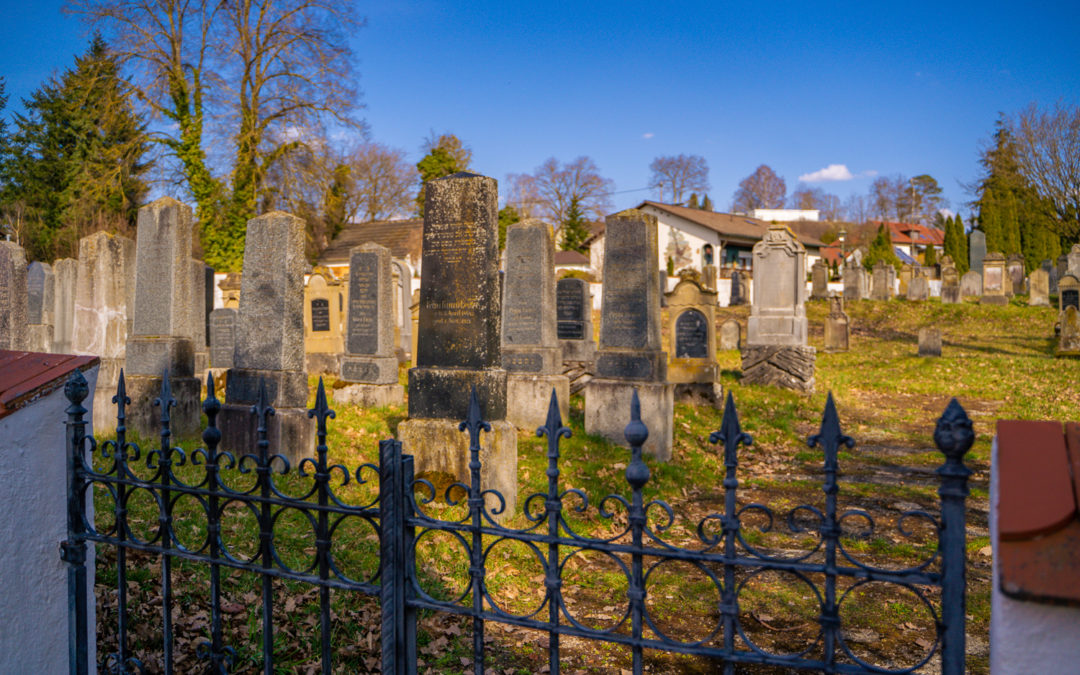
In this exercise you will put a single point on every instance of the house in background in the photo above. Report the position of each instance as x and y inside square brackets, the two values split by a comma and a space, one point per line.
[402, 237]
[912, 239]
[785, 215]
[570, 260]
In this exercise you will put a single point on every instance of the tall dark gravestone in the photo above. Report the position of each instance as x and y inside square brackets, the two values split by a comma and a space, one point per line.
[630, 356]
[161, 337]
[39, 289]
[270, 342]
[459, 338]
[369, 365]
[530, 342]
[976, 251]
[222, 337]
[573, 310]
[13, 305]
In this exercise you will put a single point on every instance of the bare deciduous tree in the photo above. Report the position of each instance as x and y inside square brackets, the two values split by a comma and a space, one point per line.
[762, 189]
[674, 176]
[548, 191]
[826, 203]
[383, 181]
[1048, 145]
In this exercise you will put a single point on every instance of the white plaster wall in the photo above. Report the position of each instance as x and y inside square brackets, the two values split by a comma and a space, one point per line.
[33, 522]
[1027, 637]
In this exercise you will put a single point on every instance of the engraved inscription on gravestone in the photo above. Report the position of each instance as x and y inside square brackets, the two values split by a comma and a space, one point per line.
[320, 315]
[363, 333]
[691, 335]
[626, 309]
[993, 280]
[523, 363]
[570, 309]
[1070, 298]
[623, 365]
[359, 371]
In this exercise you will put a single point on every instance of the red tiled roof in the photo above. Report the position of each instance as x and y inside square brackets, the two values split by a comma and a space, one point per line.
[570, 258]
[24, 376]
[729, 224]
[914, 233]
[831, 254]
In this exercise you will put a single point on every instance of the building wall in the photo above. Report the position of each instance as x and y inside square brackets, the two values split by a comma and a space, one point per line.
[785, 215]
[33, 522]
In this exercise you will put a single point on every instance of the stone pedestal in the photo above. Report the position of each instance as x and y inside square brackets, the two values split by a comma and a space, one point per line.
[290, 431]
[528, 397]
[322, 363]
[370, 382]
[145, 418]
[441, 455]
[607, 412]
[781, 366]
[371, 395]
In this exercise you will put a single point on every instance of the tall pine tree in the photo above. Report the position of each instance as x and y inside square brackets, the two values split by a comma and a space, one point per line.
[575, 231]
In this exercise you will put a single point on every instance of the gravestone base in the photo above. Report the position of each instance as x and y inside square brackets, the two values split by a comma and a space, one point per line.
[950, 295]
[202, 364]
[285, 388]
[528, 398]
[289, 430]
[446, 391]
[686, 371]
[780, 366]
[371, 395]
[104, 410]
[607, 412]
[369, 369]
[700, 393]
[39, 338]
[322, 363]
[441, 455]
[153, 355]
[578, 350]
[994, 300]
[531, 360]
[1033, 301]
[144, 418]
[631, 364]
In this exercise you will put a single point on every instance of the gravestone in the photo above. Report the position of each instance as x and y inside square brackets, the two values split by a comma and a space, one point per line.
[161, 337]
[881, 285]
[1014, 271]
[906, 274]
[39, 306]
[950, 285]
[1072, 261]
[837, 326]
[856, 284]
[403, 334]
[13, 309]
[692, 366]
[230, 290]
[1068, 292]
[971, 284]
[730, 335]
[323, 307]
[709, 276]
[929, 341]
[459, 340]
[1051, 275]
[573, 313]
[222, 337]
[269, 339]
[776, 352]
[739, 289]
[1039, 288]
[1069, 332]
[369, 365]
[976, 250]
[200, 314]
[819, 280]
[65, 273]
[994, 280]
[106, 266]
[630, 356]
[530, 340]
[918, 289]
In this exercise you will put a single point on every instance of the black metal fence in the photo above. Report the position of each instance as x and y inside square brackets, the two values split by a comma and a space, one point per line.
[725, 555]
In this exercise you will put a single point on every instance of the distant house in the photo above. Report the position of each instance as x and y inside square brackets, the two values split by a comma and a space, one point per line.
[570, 260]
[402, 237]
[912, 239]
[785, 215]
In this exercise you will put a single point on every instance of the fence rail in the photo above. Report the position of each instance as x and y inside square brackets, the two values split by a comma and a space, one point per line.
[402, 517]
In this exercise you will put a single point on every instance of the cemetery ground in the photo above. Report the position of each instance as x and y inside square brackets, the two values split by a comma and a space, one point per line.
[997, 360]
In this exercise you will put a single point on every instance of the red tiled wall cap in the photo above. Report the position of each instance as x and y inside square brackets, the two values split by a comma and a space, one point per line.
[1034, 478]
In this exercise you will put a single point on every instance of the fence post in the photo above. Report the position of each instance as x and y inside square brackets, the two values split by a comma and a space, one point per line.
[953, 437]
[392, 559]
[637, 475]
[73, 549]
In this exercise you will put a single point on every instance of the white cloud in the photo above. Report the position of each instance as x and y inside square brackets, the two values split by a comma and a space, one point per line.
[868, 174]
[647, 135]
[829, 173]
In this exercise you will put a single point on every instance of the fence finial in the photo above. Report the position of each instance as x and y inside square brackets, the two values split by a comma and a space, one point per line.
[637, 473]
[165, 400]
[553, 426]
[953, 434]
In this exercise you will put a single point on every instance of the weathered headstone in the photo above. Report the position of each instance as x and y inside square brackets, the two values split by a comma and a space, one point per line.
[222, 337]
[906, 273]
[323, 305]
[730, 334]
[819, 280]
[709, 276]
[918, 289]
[994, 280]
[950, 284]
[13, 309]
[1039, 288]
[403, 334]
[270, 342]
[65, 272]
[1051, 275]
[1068, 292]
[530, 341]
[881, 285]
[1069, 332]
[971, 284]
[40, 288]
[200, 314]
[1072, 261]
[739, 287]
[929, 341]
[106, 265]
[1014, 271]
[976, 250]
[853, 280]
[161, 337]
[692, 366]
[837, 326]
[776, 351]
[573, 312]
[630, 356]
[459, 340]
[230, 290]
[370, 365]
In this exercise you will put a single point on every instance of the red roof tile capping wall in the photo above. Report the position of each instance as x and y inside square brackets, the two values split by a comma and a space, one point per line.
[25, 376]
[1038, 551]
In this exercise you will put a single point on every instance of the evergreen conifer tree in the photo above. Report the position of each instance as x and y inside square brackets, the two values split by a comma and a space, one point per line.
[692, 203]
[706, 204]
[575, 231]
[881, 248]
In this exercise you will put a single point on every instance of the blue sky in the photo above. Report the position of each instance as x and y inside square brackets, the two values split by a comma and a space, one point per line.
[878, 88]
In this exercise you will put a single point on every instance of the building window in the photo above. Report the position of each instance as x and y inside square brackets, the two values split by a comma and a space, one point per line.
[707, 255]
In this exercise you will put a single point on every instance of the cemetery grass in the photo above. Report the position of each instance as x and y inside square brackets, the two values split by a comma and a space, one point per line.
[998, 361]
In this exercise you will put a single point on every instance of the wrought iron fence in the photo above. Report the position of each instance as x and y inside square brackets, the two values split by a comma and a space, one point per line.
[401, 517]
